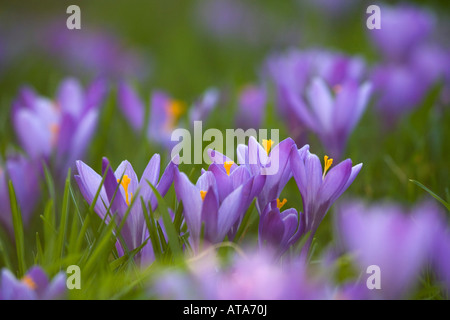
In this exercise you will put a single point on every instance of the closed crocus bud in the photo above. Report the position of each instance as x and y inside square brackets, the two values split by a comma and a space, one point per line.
[279, 229]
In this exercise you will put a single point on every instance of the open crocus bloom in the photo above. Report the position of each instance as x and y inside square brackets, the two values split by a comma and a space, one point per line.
[62, 127]
[271, 161]
[35, 285]
[318, 188]
[135, 231]
[219, 202]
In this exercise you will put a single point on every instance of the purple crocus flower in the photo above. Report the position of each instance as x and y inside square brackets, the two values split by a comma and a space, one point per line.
[230, 176]
[218, 199]
[280, 229]
[135, 231]
[293, 73]
[24, 174]
[165, 112]
[35, 285]
[332, 116]
[319, 189]
[403, 28]
[255, 276]
[398, 242]
[268, 160]
[61, 128]
[203, 107]
[252, 102]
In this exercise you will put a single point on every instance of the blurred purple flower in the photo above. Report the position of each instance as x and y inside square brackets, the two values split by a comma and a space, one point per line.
[203, 107]
[165, 112]
[24, 175]
[319, 188]
[384, 235]
[252, 102]
[135, 231]
[244, 21]
[280, 230]
[332, 117]
[403, 28]
[35, 285]
[272, 162]
[60, 128]
[294, 71]
[253, 277]
[93, 51]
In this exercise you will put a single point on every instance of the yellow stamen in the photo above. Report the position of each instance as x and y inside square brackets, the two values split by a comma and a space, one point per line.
[174, 110]
[280, 204]
[228, 165]
[327, 162]
[203, 194]
[125, 183]
[267, 144]
[29, 282]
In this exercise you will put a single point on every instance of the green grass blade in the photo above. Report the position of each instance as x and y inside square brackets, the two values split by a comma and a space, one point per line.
[18, 230]
[434, 195]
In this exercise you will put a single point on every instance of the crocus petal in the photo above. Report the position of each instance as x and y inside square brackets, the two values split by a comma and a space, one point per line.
[57, 288]
[335, 180]
[70, 97]
[209, 215]
[33, 135]
[131, 105]
[192, 202]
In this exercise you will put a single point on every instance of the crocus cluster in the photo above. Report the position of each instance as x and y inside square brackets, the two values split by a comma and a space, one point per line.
[133, 193]
[412, 61]
[320, 92]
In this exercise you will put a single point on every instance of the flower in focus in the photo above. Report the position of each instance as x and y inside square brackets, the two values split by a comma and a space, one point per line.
[61, 128]
[24, 174]
[219, 202]
[385, 235]
[270, 161]
[135, 231]
[35, 285]
[319, 188]
[280, 229]
[252, 102]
